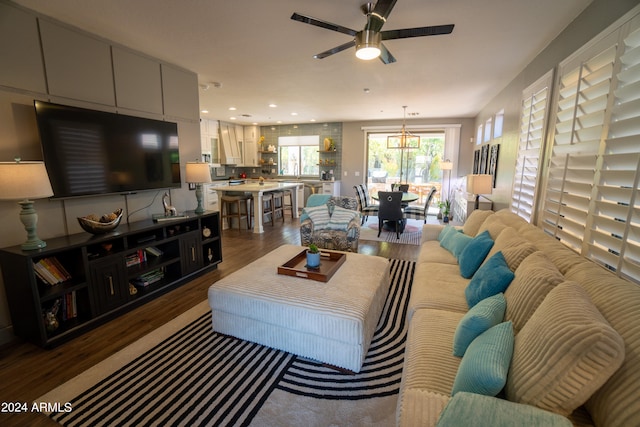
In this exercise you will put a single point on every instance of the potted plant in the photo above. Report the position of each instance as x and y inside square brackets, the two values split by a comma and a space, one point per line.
[313, 256]
[445, 208]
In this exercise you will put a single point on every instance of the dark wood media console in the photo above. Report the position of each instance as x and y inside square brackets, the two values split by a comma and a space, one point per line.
[100, 277]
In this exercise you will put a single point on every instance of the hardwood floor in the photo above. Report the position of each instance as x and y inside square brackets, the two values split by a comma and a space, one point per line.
[27, 371]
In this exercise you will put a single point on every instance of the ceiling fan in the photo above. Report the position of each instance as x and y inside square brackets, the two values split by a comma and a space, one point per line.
[368, 42]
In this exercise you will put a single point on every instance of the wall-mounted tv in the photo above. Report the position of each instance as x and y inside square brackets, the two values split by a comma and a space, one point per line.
[90, 152]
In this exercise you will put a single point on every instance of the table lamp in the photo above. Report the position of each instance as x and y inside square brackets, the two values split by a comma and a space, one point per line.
[479, 184]
[198, 173]
[24, 181]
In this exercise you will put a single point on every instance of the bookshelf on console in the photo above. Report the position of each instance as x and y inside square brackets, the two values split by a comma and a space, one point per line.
[107, 274]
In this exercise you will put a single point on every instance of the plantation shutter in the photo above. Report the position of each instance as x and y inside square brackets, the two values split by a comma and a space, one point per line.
[592, 184]
[535, 101]
[615, 241]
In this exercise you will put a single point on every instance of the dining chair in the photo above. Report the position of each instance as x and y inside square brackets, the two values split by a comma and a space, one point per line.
[420, 212]
[362, 195]
[390, 209]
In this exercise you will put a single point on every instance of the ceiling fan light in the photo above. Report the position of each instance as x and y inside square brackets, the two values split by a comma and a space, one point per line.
[368, 45]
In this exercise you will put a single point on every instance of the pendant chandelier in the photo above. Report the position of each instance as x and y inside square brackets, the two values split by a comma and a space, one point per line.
[405, 140]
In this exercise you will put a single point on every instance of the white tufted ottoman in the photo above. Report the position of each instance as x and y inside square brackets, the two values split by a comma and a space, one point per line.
[331, 322]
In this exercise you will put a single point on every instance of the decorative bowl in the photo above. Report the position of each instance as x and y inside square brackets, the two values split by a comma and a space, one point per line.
[101, 225]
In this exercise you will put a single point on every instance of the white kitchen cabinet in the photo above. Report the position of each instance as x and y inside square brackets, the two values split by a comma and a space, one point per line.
[137, 80]
[180, 91]
[250, 143]
[331, 187]
[78, 66]
[209, 140]
[20, 47]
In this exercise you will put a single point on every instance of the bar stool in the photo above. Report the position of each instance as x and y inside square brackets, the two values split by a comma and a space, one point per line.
[228, 211]
[287, 206]
[278, 205]
[267, 206]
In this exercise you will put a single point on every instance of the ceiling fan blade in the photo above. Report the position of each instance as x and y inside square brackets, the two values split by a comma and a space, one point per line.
[417, 32]
[323, 24]
[336, 49]
[386, 56]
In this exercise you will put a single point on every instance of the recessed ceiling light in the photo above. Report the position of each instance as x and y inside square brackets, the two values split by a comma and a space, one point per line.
[366, 90]
[204, 111]
[232, 108]
[312, 120]
[294, 114]
[272, 105]
[232, 118]
[279, 121]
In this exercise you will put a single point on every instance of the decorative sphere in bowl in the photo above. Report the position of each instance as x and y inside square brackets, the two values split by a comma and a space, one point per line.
[95, 224]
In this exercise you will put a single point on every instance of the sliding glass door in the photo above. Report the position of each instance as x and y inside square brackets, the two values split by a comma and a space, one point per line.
[418, 167]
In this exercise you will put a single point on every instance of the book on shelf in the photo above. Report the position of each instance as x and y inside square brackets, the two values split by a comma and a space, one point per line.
[136, 258]
[69, 306]
[149, 278]
[51, 271]
[153, 251]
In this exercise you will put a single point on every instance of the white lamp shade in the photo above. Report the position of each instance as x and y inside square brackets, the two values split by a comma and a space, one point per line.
[197, 173]
[479, 184]
[446, 165]
[24, 180]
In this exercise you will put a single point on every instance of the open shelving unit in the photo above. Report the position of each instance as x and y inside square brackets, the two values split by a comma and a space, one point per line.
[106, 274]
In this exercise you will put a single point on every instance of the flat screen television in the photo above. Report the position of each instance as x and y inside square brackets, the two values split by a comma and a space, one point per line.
[90, 152]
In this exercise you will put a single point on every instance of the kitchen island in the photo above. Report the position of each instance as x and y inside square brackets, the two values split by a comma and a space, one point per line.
[257, 192]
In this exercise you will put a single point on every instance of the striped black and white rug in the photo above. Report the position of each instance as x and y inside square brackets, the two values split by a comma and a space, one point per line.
[190, 376]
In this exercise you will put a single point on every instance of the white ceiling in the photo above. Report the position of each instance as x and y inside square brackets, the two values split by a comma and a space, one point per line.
[260, 56]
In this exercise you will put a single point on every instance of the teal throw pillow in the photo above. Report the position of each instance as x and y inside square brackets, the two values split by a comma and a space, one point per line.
[493, 277]
[314, 200]
[485, 365]
[474, 254]
[484, 315]
[457, 242]
[319, 215]
[445, 231]
[486, 411]
[340, 218]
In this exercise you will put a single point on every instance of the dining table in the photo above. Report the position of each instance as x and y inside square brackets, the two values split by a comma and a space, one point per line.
[406, 197]
[257, 190]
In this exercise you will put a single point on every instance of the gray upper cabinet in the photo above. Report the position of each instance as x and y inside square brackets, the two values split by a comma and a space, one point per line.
[138, 81]
[20, 51]
[78, 66]
[180, 91]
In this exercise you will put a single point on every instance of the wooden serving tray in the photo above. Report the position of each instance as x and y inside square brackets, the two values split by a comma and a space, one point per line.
[329, 263]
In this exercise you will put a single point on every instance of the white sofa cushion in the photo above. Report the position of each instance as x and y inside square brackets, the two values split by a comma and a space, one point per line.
[474, 221]
[564, 353]
[534, 279]
[429, 367]
[439, 286]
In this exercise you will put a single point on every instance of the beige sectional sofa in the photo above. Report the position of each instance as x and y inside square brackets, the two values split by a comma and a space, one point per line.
[576, 328]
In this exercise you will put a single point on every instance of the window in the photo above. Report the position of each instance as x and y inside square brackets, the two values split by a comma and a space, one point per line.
[497, 127]
[479, 136]
[592, 200]
[487, 130]
[298, 155]
[535, 101]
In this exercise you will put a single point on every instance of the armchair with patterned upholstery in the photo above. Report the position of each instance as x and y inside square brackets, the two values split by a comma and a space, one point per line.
[333, 225]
